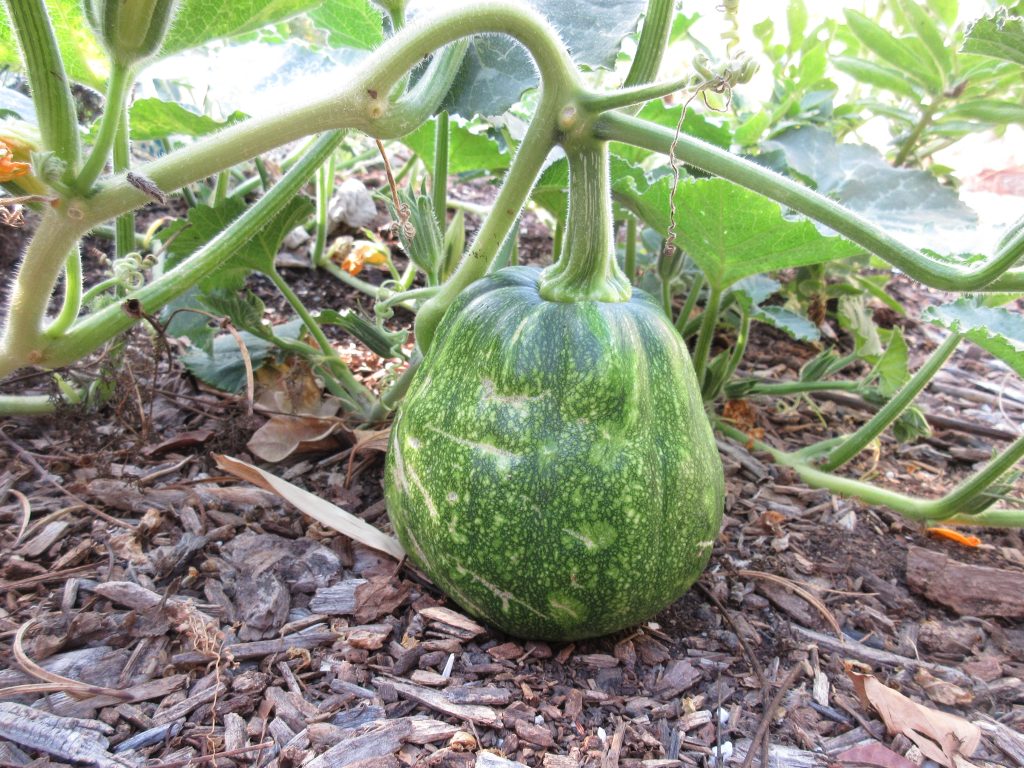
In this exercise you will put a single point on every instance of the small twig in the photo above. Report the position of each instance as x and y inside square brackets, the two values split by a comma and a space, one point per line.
[752, 659]
[69, 686]
[401, 210]
[766, 717]
[28, 457]
[806, 594]
[26, 513]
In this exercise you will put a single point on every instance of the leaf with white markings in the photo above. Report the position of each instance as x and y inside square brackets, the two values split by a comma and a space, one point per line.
[995, 329]
[200, 21]
[1000, 36]
[497, 70]
[350, 23]
[904, 202]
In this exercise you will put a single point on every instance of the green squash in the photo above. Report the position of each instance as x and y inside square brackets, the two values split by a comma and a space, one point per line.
[552, 468]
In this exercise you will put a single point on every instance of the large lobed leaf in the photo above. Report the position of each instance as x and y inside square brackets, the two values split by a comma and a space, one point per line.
[731, 232]
[999, 35]
[497, 70]
[200, 21]
[995, 329]
[84, 59]
[349, 23]
[905, 202]
[467, 151]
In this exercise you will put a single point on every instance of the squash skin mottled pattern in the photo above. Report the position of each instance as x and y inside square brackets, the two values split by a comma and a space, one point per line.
[552, 468]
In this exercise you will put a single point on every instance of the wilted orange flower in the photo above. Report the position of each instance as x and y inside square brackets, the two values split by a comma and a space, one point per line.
[361, 253]
[960, 538]
[10, 168]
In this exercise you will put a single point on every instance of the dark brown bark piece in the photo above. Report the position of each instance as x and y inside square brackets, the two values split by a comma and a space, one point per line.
[970, 590]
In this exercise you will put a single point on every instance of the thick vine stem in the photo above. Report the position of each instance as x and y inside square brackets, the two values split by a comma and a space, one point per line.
[650, 49]
[121, 80]
[363, 103]
[856, 442]
[587, 269]
[944, 509]
[51, 91]
[538, 142]
[614, 126]
[92, 331]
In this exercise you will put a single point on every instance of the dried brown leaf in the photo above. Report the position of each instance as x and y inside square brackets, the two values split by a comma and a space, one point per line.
[940, 736]
[283, 435]
[942, 692]
[874, 755]
[320, 510]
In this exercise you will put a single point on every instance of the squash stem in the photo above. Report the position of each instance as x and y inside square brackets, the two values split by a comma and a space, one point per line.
[121, 80]
[439, 177]
[324, 190]
[48, 81]
[121, 157]
[691, 301]
[587, 269]
[709, 321]
[950, 508]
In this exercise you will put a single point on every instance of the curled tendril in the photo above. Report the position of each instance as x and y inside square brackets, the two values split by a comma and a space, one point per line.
[129, 270]
[718, 77]
[732, 34]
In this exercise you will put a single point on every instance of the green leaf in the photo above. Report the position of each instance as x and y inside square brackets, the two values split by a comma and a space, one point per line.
[244, 309]
[467, 150]
[877, 75]
[157, 119]
[694, 124]
[946, 10]
[911, 425]
[999, 35]
[379, 340]
[928, 33]
[907, 203]
[84, 59]
[855, 318]
[796, 325]
[204, 223]
[894, 50]
[224, 368]
[813, 64]
[200, 21]
[997, 330]
[752, 129]
[752, 291]
[892, 367]
[731, 232]
[497, 70]
[987, 111]
[350, 23]
[755, 290]
[796, 20]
